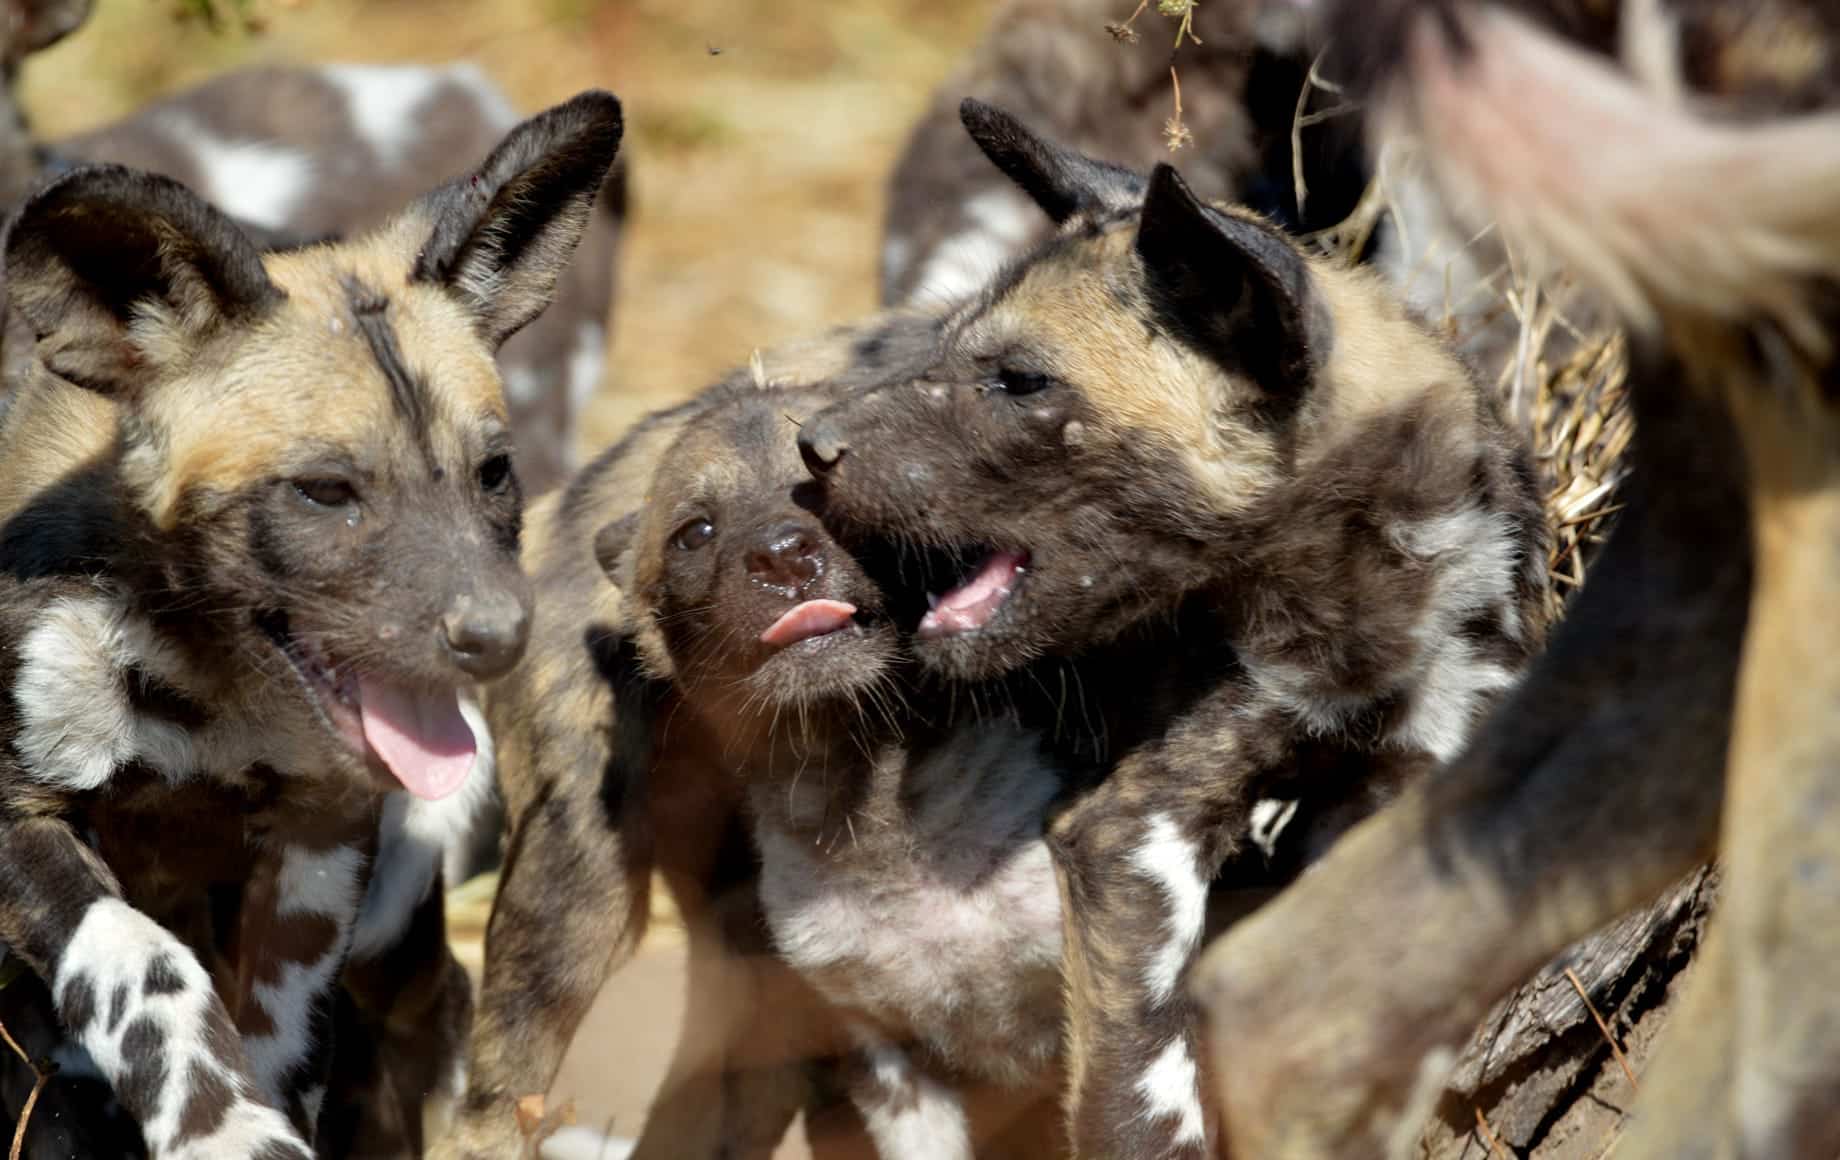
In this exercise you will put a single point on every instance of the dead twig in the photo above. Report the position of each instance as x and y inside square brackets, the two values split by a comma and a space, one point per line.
[1621, 1059]
[1175, 133]
[25, 1114]
[1496, 1147]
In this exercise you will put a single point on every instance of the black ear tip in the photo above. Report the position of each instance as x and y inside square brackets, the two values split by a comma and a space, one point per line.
[986, 122]
[1166, 181]
[600, 109]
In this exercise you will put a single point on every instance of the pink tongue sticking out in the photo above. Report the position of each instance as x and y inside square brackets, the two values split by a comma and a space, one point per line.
[420, 736]
[804, 621]
[973, 603]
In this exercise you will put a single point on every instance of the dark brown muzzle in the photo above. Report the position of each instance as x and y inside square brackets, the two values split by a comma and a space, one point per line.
[484, 632]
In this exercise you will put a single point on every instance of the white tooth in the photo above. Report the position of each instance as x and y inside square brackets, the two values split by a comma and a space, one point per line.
[932, 600]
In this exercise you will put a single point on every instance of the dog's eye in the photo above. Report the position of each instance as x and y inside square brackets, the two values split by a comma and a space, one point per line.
[1013, 382]
[694, 535]
[326, 492]
[495, 473]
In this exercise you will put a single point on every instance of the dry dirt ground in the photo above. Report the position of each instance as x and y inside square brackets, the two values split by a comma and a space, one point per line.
[759, 133]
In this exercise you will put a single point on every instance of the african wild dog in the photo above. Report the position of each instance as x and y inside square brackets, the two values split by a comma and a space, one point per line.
[314, 152]
[1251, 513]
[609, 774]
[953, 221]
[1683, 159]
[258, 528]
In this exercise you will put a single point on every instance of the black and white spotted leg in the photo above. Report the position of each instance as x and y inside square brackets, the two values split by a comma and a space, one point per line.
[910, 1114]
[137, 1000]
[1134, 863]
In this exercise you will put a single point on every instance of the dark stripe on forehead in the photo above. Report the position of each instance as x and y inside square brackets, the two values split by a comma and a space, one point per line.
[370, 312]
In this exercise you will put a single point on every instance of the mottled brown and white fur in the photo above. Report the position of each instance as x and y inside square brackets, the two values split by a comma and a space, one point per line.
[251, 504]
[1232, 500]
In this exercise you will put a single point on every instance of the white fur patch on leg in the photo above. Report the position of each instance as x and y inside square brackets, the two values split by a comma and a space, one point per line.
[1171, 1088]
[1173, 861]
[414, 838]
[317, 884]
[141, 1005]
[910, 1115]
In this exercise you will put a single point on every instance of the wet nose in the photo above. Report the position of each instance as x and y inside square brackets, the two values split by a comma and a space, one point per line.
[787, 556]
[820, 446]
[485, 635]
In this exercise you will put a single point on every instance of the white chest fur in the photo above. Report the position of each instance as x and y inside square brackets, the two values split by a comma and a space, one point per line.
[935, 916]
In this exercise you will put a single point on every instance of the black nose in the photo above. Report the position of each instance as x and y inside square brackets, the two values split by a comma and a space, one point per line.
[485, 635]
[787, 556]
[820, 446]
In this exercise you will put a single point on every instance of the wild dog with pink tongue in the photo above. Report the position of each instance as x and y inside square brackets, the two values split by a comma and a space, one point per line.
[234, 480]
[758, 696]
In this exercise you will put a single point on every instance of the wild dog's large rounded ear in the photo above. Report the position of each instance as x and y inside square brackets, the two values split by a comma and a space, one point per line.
[501, 237]
[1232, 286]
[1061, 181]
[115, 270]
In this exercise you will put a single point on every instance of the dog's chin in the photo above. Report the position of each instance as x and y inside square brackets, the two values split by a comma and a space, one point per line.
[841, 666]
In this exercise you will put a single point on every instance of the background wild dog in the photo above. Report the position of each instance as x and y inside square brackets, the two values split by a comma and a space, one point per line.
[1621, 149]
[605, 780]
[952, 221]
[329, 150]
[259, 530]
[1284, 540]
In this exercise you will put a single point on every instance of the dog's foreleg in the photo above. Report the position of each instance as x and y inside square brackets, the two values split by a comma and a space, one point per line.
[137, 999]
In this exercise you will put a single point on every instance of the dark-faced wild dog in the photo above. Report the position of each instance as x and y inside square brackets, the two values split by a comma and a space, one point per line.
[1232, 494]
[259, 527]
[1683, 160]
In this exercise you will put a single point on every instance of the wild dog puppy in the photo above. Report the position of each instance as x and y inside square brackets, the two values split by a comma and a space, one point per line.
[904, 875]
[1683, 160]
[953, 221]
[259, 528]
[1265, 522]
[332, 150]
[607, 779]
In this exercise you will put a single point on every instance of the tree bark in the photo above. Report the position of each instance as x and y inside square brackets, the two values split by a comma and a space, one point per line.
[1540, 1071]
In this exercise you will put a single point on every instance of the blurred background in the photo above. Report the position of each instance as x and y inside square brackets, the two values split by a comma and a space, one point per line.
[759, 135]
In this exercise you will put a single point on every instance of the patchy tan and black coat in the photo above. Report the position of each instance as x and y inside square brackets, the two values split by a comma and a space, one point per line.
[1237, 502]
[249, 503]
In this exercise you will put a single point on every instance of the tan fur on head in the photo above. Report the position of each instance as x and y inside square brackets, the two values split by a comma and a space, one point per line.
[310, 370]
[1568, 152]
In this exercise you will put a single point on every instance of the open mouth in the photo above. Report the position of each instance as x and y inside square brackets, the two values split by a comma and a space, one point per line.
[970, 604]
[418, 734]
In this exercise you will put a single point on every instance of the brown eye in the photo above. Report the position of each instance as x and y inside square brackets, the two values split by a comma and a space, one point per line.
[694, 535]
[328, 492]
[495, 473]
